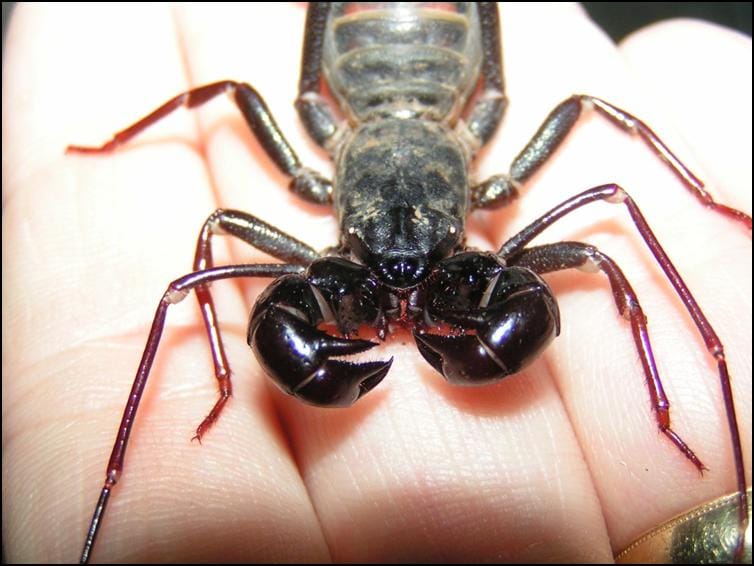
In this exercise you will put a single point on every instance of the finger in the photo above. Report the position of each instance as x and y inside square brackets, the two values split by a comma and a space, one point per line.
[154, 198]
[597, 368]
[76, 327]
[688, 79]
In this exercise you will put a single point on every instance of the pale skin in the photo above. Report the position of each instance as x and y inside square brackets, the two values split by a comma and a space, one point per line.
[562, 462]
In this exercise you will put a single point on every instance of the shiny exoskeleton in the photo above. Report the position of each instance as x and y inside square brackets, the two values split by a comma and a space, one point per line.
[415, 90]
[402, 75]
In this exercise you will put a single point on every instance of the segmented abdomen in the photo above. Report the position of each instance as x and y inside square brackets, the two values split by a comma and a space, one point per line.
[402, 59]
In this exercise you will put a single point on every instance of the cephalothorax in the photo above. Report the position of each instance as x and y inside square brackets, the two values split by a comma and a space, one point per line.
[417, 90]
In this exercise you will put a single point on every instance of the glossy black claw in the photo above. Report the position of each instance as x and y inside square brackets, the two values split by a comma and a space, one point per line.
[463, 360]
[506, 316]
[341, 384]
[296, 354]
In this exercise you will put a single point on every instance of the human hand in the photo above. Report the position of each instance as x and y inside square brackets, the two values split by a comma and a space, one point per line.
[560, 463]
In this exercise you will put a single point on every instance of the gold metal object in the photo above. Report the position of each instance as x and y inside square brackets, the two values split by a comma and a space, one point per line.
[704, 535]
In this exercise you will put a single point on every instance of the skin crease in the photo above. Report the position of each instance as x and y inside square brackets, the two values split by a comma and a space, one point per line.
[562, 462]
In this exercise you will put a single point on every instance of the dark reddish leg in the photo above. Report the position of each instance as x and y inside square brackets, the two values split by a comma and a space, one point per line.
[565, 255]
[633, 125]
[498, 190]
[262, 236]
[176, 292]
[259, 234]
[514, 248]
[304, 182]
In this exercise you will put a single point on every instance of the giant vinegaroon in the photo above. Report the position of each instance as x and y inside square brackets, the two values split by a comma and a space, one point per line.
[402, 98]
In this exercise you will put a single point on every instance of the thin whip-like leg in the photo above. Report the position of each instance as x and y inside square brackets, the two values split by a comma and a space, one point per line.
[565, 255]
[308, 184]
[255, 232]
[176, 292]
[260, 235]
[499, 190]
[615, 194]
